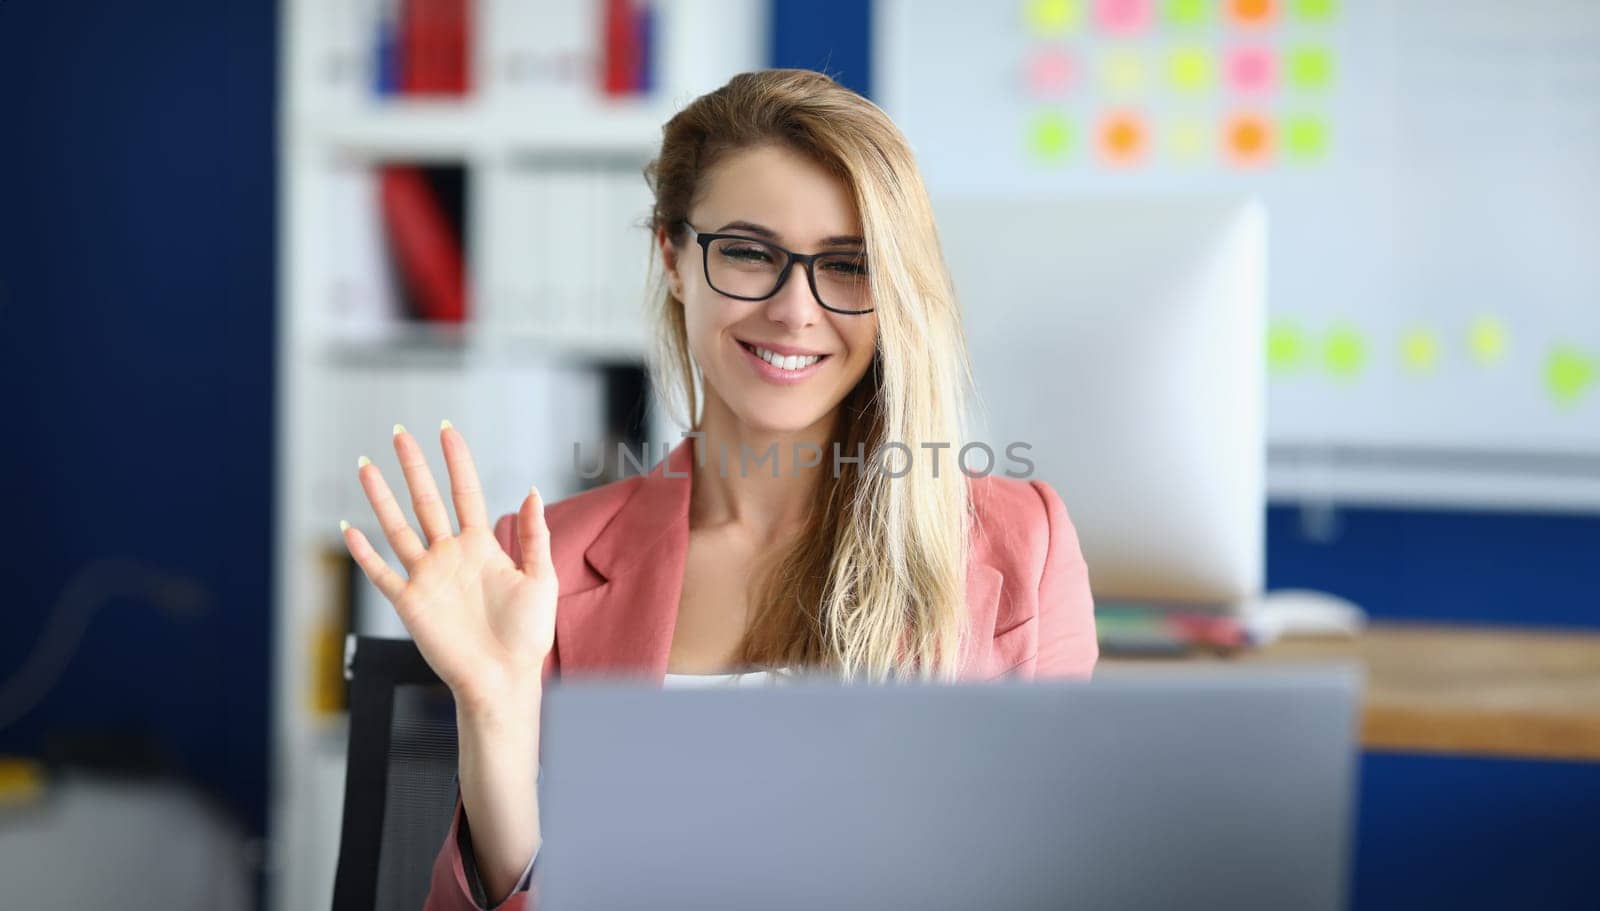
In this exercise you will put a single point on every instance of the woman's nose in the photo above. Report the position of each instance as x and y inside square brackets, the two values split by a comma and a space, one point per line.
[794, 306]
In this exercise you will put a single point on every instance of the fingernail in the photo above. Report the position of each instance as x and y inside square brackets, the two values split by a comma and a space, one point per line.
[344, 526]
[445, 424]
[362, 462]
[399, 429]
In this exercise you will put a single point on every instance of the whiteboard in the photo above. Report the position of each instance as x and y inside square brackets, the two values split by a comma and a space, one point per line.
[1431, 170]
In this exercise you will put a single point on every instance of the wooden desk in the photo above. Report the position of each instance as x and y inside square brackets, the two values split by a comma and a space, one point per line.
[1486, 691]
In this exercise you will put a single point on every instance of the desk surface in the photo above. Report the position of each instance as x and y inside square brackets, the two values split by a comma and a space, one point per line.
[1494, 691]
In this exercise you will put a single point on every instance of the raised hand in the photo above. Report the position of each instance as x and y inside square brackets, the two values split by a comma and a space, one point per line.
[483, 623]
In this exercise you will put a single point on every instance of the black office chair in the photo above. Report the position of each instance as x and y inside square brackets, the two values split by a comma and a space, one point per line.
[400, 786]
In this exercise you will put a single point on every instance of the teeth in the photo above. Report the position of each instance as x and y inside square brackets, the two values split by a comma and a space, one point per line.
[791, 362]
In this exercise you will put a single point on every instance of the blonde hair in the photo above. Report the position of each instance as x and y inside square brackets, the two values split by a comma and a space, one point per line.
[876, 586]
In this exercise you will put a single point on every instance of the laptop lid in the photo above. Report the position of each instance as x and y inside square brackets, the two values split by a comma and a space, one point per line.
[1174, 787]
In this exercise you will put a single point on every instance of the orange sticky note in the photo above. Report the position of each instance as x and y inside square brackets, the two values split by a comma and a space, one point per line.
[1253, 12]
[1123, 137]
[1248, 138]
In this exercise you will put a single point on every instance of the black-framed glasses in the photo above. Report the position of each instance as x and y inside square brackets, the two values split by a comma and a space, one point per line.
[752, 269]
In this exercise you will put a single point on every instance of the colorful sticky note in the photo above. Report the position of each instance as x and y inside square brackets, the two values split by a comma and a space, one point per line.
[1189, 68]
[1050, 136]
[1048, 18]
[1344, 351]
[1568, 374]
[1315, 10]
[1305, 136]
[1287, 346]
[1487, 339]
[1122, 71]
[1251, 70]
[1123, 137]
[1252, 12]
[1248, 139]
[1123, 17]
[1188, 138]
[1419, 350]
[1049, 73]
[1188, 12]
[1310, 68]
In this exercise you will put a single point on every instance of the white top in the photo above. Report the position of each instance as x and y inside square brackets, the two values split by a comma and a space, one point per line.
[743, 678]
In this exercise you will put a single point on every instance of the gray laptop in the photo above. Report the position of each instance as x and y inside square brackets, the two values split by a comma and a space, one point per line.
[1172, 787]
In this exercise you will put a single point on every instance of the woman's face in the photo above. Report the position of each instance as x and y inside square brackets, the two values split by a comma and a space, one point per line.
[806, 209]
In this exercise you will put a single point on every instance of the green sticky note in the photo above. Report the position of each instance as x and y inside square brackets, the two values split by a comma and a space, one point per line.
[1310, 68]
[1050, 136]
[1190, 69]
[1188, 12]
[1287, 346]
[1052, 17]
[1315, 10]
[1344, 351]
[1487, 339]
[1419, 349]
[1568, 374]
[1305, 137]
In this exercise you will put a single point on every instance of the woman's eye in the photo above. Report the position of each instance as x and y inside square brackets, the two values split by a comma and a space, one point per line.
[747, 254]
[855, 267]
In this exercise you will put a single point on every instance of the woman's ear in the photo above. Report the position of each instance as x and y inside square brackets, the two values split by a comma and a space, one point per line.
[669, 262]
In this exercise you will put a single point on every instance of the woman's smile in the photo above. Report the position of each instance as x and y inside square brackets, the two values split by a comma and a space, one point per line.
[781, 365]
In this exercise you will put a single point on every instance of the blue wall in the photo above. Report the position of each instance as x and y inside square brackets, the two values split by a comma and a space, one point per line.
[832, 36]
[136, 293]
[1453, 566]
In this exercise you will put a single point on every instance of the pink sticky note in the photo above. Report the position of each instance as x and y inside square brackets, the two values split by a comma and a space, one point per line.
[1123, 16]
[1049, 73]
[1251, 69]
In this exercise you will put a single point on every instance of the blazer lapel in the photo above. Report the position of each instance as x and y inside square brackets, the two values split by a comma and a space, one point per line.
[624, 626]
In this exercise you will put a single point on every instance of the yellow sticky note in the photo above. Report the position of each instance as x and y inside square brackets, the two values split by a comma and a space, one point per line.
[1487, 337]
[1188, 138]
[1052, 17]
[1122, 71]
[1190, 69]
[1419, 350]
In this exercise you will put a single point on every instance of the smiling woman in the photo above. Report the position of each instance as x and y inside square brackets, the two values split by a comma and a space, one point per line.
[818, 564]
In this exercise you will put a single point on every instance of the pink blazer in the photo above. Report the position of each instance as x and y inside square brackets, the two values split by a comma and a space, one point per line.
[619, 554]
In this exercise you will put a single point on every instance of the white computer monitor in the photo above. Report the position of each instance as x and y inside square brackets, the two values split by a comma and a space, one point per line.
[1123, 338]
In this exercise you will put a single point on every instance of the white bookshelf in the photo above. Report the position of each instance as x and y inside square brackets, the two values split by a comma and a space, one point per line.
[519, 377]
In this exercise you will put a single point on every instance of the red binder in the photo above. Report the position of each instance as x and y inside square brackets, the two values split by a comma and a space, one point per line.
[435, 47]
[622, 51]
[426, 250]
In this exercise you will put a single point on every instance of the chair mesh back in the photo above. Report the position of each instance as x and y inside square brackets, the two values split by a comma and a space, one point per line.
[420, 794]
[400, 778]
